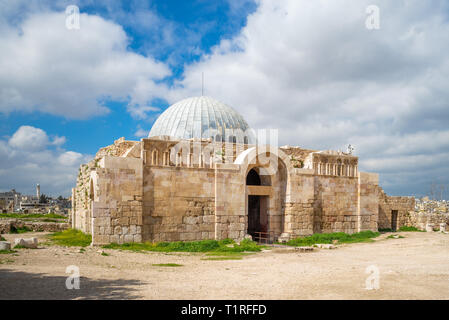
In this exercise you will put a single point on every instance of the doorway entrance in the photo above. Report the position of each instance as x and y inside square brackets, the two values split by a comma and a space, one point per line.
[257, 215]
[257, 209]
[394, 220]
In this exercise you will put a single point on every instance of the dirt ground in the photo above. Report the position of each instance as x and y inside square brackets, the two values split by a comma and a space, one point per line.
[415, 267]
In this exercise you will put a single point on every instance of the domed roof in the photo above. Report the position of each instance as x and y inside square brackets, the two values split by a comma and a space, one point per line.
[202, 117]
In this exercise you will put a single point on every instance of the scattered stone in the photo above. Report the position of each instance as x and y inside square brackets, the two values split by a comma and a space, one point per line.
[325, 246]
[443, 227]
[304, 249]
[429, 227]
[30, 243]
[5, 245]
[284, 238]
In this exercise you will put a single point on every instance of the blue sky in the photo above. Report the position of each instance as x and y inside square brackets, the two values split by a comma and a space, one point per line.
[202, 23]
[308, 68]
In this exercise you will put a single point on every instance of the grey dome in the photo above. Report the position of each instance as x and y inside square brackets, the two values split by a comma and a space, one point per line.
[202, 117]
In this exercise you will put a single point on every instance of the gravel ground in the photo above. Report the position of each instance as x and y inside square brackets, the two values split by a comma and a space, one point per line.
[415, 267]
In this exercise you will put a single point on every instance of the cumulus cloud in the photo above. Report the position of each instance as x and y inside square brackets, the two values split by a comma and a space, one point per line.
[313, 70]
[46, 67]
[30, 157]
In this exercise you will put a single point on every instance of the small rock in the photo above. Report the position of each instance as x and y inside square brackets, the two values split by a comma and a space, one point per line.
[5, 245]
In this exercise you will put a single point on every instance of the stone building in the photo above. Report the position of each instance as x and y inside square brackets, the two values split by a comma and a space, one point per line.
[202, 174]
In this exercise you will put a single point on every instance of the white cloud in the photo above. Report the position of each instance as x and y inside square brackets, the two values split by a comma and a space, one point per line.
[29, 138]
[46, 67]
[313, 70]
[29, 157]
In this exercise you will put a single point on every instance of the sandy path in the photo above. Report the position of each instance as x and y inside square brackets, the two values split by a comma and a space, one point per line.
[416, 267]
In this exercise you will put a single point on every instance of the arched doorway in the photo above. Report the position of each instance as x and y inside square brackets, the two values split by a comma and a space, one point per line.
[257, 206]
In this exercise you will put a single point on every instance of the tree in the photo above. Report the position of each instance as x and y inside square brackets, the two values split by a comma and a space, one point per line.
[43, 199]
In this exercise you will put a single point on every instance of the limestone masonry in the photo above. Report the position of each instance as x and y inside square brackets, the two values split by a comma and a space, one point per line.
[187, 183]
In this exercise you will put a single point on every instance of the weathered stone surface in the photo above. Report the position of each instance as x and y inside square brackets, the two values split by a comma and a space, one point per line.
[5, 245]
[26, 242]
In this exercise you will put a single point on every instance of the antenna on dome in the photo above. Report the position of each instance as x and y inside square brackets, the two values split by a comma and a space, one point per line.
[202, 83]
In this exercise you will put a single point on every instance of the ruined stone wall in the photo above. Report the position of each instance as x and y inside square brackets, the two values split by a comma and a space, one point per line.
[336, 204]
[404, 206]
[421, 219]
[296, 155]
[38, 226]
[178, 204]
[81, 213]
[81, 204]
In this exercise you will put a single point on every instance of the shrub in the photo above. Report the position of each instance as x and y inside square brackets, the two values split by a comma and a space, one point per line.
[15, 230]
[410, 229]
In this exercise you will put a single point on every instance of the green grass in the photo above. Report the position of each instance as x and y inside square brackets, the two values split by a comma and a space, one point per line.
[105, 254]
[190, 246]
[410, 229]
[385, 230]
[71, 238]
[32, 215]
[339, 237]
[7, 251]
[15, 230]
[2, 239]
[226, 255]
[167, 265]
[19, 246]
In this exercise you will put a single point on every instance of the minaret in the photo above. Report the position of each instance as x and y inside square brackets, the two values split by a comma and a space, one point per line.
[38, 191]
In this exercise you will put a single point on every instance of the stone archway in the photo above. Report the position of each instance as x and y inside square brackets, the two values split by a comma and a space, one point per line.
[265, 201]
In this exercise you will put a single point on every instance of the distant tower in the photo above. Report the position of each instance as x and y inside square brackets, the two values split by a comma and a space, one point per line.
[38, 191]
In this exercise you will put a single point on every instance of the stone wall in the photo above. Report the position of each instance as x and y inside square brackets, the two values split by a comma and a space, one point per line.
[116, 192]
[230, 202]
[421, 219]
[299, 206]
[81, 213]
[336, 204]
[403, 205]
[368, 201]
[38, 226]
[178, 204]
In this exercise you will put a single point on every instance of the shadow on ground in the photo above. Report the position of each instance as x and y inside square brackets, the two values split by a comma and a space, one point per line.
[25, 285]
